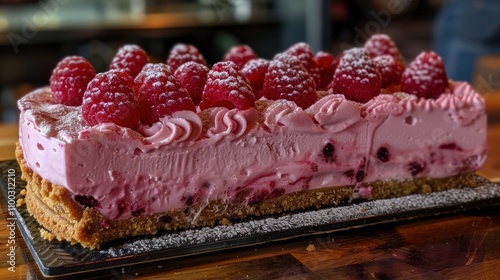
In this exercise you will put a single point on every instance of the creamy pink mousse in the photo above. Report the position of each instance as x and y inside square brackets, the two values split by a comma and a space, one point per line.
[179, 162]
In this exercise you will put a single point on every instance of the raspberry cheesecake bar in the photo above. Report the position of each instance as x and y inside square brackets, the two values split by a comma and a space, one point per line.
[146, 147]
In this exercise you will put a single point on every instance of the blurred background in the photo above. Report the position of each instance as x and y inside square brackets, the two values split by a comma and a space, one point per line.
[36, 34]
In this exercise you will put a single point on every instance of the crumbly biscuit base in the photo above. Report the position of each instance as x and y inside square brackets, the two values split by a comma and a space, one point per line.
[64, 219]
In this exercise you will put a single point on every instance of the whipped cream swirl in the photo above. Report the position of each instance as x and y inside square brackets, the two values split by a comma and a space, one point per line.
[335, 113]
[385, 104]
[464, 104]
[179, 127]
[288, 114]
[224, 122]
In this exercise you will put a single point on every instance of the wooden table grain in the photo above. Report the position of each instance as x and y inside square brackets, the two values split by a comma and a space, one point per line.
[457, 246]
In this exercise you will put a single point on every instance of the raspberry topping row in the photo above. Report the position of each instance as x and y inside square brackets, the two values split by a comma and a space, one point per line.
[135, 91]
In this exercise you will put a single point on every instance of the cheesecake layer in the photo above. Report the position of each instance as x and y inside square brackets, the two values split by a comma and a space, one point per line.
[221, 155]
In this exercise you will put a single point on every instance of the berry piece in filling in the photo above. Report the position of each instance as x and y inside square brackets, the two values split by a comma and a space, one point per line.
[192, 76]
[390, 69]
[425, 76]
[87, 201]
[255, 71]
[327, 64]
[328, 152]
[227, 87]
[381, 44]
[305, 55]
[240, 55]
[286, 78]
[182, 53]
[161, 94]
[137, 210]
[360, 175]
[130, 58]
[357, 77]
[415, 168]
[258, 196]
[450, 146]
[70, 79]
[383, 154]
[109, 98]
[349, 173]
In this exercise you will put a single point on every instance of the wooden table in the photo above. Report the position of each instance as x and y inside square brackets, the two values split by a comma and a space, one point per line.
[458, 246]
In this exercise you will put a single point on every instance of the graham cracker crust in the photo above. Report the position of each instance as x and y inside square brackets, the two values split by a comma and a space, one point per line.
[64, 219]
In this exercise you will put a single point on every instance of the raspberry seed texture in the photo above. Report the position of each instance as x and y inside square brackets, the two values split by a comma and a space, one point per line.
[109, 98]
[69, 80]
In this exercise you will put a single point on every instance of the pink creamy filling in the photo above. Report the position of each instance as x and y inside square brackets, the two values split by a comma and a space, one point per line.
[177, 163]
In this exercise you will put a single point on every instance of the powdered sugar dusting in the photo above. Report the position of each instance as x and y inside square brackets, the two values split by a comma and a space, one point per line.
[161, 94]
[182, 53]
[52, 119]
[356, 76]
[240, 55]
[130, 58]
[303, 52]
[227, 86]
[390, 69]
[254, 65]
[381, 44]
[425, 76]
[287, 78]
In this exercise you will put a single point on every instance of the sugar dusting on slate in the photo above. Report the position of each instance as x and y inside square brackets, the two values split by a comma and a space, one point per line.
[486, 190]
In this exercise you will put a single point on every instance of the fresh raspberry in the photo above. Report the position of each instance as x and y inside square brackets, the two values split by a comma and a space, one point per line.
[305, 55]
[357, 77]
[425, 76]
[227, 87]
[130, 58]
[287, 79]
[390, 69]
[381, 44]
[240, 55]
[192, 77]
[162, 94]
[182, 53]
[127, 78]
[327, 64]
[109, 98]
[255, 71]
[158, 67]
[70, 79]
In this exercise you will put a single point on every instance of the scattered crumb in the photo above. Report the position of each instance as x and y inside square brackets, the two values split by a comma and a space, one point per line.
[23, 192]
[226, 222]
[322, 93]
[20, 202]
[47, 234]
[311, 248]
[205, 118]
[426, 188]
